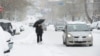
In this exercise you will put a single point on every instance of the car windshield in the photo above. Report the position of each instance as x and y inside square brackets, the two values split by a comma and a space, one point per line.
[78, 27]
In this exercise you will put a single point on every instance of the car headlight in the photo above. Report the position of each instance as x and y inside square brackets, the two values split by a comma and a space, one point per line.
[90, 35]
[69, 35]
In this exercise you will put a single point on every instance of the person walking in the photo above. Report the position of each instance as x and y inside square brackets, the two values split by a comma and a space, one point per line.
[39, 32]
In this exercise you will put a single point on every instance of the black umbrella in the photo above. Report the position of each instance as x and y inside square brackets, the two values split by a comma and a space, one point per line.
[40, 21]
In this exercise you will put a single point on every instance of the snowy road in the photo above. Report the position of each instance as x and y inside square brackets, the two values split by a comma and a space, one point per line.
[25, 45]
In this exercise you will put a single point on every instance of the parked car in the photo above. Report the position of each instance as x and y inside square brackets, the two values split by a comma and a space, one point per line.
[95, 25]
[59, 26]
[6, 25]
[5, 41]
[77, 33]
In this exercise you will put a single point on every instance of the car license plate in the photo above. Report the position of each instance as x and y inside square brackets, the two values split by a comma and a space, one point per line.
[80, 39]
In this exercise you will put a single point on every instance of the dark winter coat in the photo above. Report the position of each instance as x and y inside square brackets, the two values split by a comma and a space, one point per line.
[39, 29]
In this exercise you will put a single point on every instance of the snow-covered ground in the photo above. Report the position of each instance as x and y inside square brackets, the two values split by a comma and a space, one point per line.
[25, 44]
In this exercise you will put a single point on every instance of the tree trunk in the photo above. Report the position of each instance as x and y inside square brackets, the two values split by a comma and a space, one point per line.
[86, 12]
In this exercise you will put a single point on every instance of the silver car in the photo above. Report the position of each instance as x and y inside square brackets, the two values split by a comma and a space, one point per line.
[77, 34]
[59, 26]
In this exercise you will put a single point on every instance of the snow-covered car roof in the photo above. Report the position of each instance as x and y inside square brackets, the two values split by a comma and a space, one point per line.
[4, 20]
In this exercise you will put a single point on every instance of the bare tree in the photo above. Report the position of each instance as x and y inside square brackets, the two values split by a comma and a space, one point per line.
[96, 11]
[77, 9]
[86, 12]
[12, 7]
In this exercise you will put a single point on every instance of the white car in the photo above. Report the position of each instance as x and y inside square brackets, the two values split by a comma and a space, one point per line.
[77, 34]
[6, 25]
[59, 26]
[5, 41]
[95, 25]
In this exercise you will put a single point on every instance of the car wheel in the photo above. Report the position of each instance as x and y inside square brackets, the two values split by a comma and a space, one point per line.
[64, 43]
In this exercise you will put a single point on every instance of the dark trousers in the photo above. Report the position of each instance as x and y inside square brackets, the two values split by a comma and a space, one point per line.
[39, 38]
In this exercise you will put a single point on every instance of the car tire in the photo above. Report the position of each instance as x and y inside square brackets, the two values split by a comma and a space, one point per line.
[64, 43]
